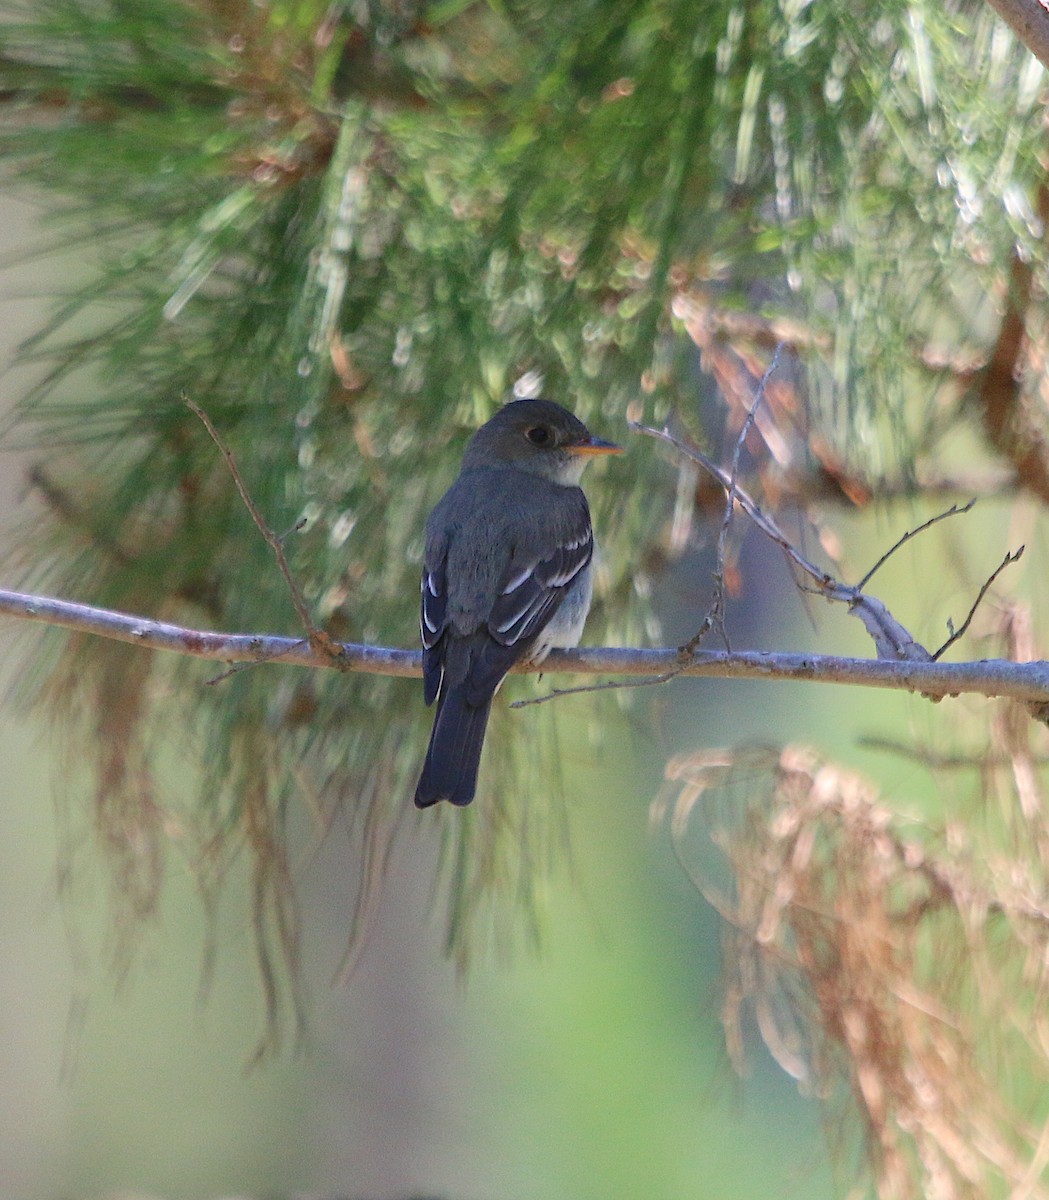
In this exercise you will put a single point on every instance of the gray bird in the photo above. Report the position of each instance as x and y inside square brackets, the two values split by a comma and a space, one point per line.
[506, 576]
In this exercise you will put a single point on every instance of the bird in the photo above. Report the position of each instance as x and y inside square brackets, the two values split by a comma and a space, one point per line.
[506, 576]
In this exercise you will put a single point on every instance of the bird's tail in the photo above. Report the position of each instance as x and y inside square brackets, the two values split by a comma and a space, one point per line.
[454, 753]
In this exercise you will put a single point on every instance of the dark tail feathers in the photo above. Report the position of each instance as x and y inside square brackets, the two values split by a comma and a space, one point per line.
[454, 753]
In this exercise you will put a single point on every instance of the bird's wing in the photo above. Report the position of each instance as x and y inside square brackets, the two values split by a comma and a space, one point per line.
[433, 618]
[528, 593]
[531, 592]
[533, 588]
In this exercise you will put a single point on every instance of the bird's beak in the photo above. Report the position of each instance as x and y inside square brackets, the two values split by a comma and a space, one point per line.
[595, 446]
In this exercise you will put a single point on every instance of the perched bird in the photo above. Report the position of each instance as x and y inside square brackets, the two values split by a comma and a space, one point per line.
[506, 576]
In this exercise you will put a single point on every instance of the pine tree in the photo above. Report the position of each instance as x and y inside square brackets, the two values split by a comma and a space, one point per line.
[348, 231]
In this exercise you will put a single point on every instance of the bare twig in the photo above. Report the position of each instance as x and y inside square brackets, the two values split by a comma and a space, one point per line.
[988, 677]
[1012, 557]
[954, 511]
[764, 522]
[891, 638]
[236, 668]
[715, 618]
[319, 639]
[608, 686]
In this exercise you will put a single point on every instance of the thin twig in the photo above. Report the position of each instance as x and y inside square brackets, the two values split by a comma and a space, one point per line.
[1012, 557]
[954, 511]
[608, 686]
[319, 639]
[824, 581]
[715, 618]
[891, 638]
[236, 668]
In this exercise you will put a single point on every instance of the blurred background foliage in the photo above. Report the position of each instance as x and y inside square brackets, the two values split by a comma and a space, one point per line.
[348, 231]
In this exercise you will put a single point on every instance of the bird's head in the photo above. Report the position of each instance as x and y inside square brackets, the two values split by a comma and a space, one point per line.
[537, 436]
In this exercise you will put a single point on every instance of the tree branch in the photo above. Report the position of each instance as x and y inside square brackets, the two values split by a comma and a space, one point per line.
[890, 637]
[318, 638]
[1029, 20]
[1027, 681]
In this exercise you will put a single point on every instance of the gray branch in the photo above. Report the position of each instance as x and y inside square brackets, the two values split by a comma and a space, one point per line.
[1029, 20]
[989, 677]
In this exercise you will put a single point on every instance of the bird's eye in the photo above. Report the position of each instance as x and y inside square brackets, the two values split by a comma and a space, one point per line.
[539, 435]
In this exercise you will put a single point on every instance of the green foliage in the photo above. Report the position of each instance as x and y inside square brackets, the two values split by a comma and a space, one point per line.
[347, 236]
